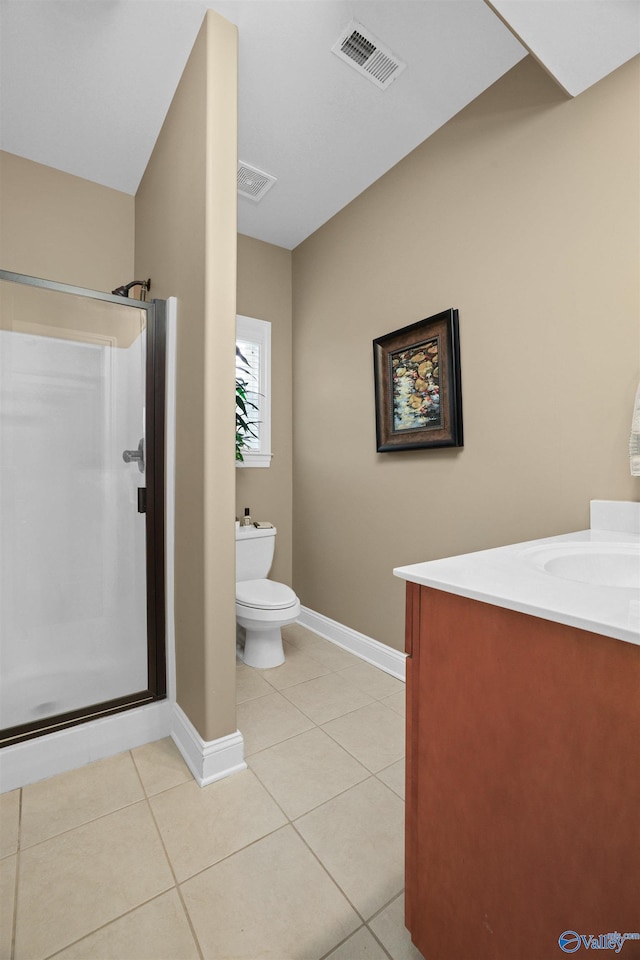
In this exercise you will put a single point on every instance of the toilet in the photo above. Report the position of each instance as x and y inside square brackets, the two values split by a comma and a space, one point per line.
[263, 606]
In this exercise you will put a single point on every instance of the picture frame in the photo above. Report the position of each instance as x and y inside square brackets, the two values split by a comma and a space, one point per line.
[418, 390]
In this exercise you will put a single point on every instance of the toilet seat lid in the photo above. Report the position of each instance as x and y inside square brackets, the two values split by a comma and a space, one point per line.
[264, 594]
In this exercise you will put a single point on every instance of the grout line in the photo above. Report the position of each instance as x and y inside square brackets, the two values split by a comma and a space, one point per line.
[150, 796]
[321, 726]
[333, 879]
[108, 923]
[378, 940]
[20, 803]
[361, 762]
[277, 802]
[318, 640]
[233, 853]
[301, 709]
[144, 902]
[282, 692]
[176, 886]
[324, 956]
[365, 926]
[385, 906]
[284, 739]
[135, 767]
[377, 914]
[394, 792]
[161, 838]
[144, 799]
[370, 775]
[326, 869]
[253, 843]
[85, 823]
[190, 922]
[93, 819]
[292, 820]
[174, 786]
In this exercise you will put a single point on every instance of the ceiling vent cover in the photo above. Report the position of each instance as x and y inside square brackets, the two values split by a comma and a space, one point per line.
[361, 50]
[253, 183]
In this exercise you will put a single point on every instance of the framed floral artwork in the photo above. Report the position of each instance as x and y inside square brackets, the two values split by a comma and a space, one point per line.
[418, 393]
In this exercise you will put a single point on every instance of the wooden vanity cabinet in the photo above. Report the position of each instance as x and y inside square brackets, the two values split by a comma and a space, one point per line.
[523, 782]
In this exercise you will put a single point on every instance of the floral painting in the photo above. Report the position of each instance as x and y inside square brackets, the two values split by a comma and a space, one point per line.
[416, 386]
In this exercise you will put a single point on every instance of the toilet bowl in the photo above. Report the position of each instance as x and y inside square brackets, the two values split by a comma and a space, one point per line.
[263, 606]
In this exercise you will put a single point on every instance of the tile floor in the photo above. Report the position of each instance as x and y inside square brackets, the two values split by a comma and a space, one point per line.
[300, 857]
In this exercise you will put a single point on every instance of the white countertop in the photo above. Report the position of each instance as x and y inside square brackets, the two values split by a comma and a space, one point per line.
[513, 577]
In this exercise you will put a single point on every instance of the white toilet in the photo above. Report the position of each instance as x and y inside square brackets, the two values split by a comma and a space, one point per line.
[262, 606]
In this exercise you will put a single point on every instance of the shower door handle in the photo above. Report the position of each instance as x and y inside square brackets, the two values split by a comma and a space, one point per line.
[129, 456]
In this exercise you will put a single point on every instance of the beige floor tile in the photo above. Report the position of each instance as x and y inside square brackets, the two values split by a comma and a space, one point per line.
[374, 735]
[76, 882]
[9, 822]
[393, 776]
[326, 698]
[158, 929]
[201, 825]
[250, 684]
[297, 666]
[326, 652]
[60, 803]
[373, 681]
[7, 901]
[389, 928]
[359, 838]
[361, 946]
[303, 772]
[397, 701]
[269, 902]
[330, 654]
[269, 720]
[298, 635]
[160, 766]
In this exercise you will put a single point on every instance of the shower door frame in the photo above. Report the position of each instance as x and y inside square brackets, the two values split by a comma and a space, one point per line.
[154, 485]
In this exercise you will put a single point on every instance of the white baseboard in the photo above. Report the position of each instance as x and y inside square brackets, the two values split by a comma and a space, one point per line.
[208, 760]
[32, 760]
[379, 654]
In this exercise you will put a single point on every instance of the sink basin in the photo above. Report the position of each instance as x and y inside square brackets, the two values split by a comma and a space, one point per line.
[601, 564]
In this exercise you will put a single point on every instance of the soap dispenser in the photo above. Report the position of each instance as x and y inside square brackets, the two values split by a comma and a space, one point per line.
[246, 520]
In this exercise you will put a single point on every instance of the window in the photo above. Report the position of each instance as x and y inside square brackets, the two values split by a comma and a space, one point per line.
[253, 339]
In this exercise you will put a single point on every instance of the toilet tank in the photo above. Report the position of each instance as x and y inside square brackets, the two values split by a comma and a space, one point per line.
[254, 552]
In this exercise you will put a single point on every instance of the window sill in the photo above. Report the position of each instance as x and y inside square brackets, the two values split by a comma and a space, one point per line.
[255, 460]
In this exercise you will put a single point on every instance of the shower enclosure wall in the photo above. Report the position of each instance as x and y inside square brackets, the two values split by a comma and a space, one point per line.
[81, 505]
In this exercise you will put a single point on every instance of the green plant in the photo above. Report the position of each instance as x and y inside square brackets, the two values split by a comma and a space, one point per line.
[244, 425]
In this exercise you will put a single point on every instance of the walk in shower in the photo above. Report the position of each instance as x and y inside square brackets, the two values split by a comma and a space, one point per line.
[82, 627]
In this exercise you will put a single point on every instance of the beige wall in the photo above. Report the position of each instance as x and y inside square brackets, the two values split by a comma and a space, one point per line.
[523, 213]
[186, 242]
[264, 291]
[59, 227]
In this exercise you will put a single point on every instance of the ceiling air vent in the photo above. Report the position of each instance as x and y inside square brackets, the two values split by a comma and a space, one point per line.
[364, 52]
[253, 183]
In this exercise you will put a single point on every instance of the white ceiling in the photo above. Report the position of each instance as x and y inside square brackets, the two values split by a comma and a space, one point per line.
[85, 84]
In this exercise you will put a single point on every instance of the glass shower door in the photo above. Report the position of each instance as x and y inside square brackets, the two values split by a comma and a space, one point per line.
[73, 531]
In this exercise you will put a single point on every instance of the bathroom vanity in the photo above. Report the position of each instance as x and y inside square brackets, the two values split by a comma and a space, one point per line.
[523, 747]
